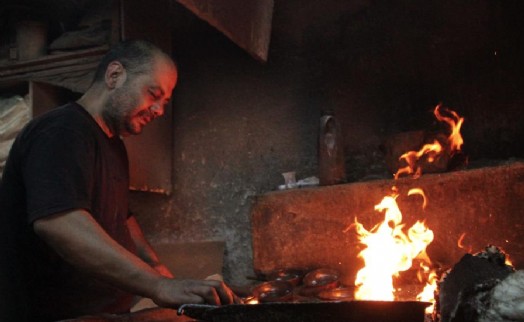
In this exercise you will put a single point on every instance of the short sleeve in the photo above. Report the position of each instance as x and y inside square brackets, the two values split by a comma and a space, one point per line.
[58, 173]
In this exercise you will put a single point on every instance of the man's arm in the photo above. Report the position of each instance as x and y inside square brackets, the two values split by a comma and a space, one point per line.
[80, 240]
[145, 251]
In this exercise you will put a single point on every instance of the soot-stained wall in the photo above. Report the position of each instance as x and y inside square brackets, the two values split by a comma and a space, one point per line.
[380, 66]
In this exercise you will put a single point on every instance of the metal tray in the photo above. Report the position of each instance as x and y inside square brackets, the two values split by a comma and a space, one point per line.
[351, 311]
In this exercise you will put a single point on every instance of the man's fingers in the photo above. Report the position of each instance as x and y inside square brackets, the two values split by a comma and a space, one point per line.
[207, 292]
[225, 295]
[237, 299]
[176, 292]
[194, 299]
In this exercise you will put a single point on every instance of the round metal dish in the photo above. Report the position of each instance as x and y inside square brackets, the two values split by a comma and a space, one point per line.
[321, 277]
[293, 276]
[273, 291]
[341, 293]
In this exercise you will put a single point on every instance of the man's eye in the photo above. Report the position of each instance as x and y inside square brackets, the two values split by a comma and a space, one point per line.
[154, 95]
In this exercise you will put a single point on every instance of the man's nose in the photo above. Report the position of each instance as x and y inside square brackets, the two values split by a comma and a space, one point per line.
[157, 109]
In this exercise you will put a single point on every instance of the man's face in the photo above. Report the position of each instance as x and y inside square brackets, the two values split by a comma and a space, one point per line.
[141, 99]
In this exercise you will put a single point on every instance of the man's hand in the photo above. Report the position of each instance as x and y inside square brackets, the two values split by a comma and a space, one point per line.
[173, 293]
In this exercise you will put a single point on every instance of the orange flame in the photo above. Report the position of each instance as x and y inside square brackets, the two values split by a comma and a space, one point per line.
[460, 243]
[411, 157]
[455, 140]
[389, 250]
[428, 293]
[251, 300]
[434, 150]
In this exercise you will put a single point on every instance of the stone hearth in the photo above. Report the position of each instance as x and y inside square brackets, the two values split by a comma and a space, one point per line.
[304, 228]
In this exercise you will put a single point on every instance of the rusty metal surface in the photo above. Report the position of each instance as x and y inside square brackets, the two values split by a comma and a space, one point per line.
[354, 311]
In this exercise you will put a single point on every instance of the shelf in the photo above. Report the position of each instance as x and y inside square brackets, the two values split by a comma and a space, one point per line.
[80, 60]
[53, 79]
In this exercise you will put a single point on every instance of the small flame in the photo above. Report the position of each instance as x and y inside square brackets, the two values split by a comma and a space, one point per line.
[461, 240]
[389, 250]
[432, 151]
[428, 293]
[460, 243]
[455, 140]
[420, 192]
[251, 300]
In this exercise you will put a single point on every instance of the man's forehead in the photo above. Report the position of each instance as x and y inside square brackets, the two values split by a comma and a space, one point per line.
[164, 73]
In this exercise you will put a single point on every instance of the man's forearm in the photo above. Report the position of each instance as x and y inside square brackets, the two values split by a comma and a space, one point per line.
[80, 240]
[144, 249]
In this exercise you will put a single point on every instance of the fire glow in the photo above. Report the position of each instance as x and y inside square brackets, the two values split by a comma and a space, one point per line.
[432, 151]
[389, 249]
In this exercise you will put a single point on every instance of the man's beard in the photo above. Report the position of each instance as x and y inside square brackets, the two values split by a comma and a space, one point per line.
[117, 113]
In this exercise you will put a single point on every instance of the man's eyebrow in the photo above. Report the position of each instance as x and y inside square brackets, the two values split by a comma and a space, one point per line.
[161, 92]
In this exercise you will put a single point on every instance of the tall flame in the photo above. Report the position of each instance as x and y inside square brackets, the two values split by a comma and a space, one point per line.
[389, 250]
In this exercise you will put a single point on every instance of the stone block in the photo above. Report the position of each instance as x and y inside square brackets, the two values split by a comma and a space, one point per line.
[304, 228]
[194, 260]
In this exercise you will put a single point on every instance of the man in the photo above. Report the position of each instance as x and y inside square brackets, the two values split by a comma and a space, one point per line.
[70, 246]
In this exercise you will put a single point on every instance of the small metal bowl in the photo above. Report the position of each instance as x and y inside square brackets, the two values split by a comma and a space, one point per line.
[273, 291]
[340, 293]
[321, 277]
[293, 276]
[319, 280]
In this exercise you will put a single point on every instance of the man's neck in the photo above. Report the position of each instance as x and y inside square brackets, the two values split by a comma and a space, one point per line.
[94, 106]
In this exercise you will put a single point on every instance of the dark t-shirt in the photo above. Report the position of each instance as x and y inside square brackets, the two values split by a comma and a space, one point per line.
[61, 161]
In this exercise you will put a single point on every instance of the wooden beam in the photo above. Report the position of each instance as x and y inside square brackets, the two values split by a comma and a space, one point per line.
[246, 23]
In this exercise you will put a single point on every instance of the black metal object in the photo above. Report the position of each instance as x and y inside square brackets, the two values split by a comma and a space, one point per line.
[465, 291]
[352, 311]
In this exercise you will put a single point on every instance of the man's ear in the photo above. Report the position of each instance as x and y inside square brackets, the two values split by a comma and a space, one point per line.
[115, 74]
